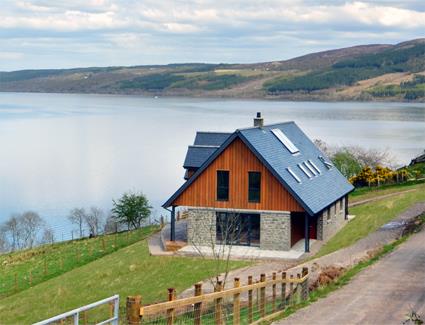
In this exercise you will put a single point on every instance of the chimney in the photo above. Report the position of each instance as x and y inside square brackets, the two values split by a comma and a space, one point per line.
[258, 121]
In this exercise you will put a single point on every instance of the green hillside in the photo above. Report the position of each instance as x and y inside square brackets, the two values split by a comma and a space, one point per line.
[348, 72]
[327, 75]
[127, 271]
[23, 269]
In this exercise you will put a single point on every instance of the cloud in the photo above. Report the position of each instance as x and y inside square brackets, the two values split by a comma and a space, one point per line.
[198, 30]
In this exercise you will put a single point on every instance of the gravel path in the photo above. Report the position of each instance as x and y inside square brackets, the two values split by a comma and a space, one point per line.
[381, 294]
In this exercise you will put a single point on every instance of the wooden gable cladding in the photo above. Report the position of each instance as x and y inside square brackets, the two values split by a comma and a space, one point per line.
[238, 159]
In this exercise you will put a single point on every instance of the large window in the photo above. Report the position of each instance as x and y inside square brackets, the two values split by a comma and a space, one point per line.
[222, 185]
[254, 186]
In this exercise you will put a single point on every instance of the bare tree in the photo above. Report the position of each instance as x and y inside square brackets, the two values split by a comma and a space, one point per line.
[77, 217]
[371, 157]
[222, 236]
[13, 231]
[4, 243]
[94, 220]
[111, 225]
[48, 236]
[31, 224]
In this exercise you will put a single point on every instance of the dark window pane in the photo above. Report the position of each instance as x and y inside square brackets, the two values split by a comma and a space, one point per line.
[222, 185]
[254, 186]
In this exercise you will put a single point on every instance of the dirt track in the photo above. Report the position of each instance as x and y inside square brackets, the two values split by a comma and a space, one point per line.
[381, 294]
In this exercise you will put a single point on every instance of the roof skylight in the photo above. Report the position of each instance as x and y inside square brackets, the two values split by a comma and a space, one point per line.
[290, 171]
[305, 171]
[314, 166]
[310, 168]
[285, 141]
[326, 163]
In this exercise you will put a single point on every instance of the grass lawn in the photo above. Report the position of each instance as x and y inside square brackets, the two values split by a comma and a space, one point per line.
[371, 216]
[371, 192]
[128, 271]
[22, 269]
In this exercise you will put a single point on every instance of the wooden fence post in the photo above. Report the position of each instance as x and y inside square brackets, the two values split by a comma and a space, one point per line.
[257, 293]
[291, 290]
[304, 285]
[298, 288]
[197, 307]
[133, 305]
[16, 282]
[283, 290]
[218, 302]
[170, 312]
[236, 304]
[250, 301]
[111, 309]
[30, 278]
[85, 318]
[274, 293]
[263, 296]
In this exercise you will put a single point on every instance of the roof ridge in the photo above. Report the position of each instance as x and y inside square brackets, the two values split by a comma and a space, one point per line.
[265, 126]
[202, 146]
[216, 132]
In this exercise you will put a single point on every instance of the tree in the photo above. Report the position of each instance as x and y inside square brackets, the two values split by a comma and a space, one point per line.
[4, 244]
[13, 231]
[111, 225]
[31, 224]
[93, 220]
[131, 209]
[77, 216]
[48, 236]
[222, 235]
[346, 163]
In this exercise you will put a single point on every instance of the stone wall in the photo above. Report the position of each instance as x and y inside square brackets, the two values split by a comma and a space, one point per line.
[201, 227]
[331, 220]
[275, 231]
[275, 228]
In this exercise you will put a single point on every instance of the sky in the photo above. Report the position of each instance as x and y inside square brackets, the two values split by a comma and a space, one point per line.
[81, 33]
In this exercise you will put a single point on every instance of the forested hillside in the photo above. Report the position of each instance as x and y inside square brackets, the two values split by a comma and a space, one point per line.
[368, 72]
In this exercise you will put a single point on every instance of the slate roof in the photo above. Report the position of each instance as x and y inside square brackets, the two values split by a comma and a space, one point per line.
[314, 193]
[206, 143]
[197, 155]
[210, 138]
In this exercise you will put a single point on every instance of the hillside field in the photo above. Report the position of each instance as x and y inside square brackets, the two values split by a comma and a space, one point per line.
[131, 270]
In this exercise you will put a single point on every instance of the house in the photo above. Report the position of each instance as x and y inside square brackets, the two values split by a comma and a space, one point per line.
[271, 179]
[419, 159]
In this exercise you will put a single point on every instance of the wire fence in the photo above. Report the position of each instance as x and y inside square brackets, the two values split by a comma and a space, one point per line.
[252, 303]
[24, 269]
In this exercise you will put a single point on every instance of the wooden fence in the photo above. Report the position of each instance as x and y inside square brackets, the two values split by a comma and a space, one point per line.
[252, 303]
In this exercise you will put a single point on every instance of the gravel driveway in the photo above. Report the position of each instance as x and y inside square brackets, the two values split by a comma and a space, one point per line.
[381, 294]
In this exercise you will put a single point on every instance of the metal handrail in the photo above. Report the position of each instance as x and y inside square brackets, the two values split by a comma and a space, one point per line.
[75, 313]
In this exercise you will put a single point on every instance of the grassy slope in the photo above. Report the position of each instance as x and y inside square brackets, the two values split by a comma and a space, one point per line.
[129, 271]
[48, 261]
[370, 217]
[364, 193]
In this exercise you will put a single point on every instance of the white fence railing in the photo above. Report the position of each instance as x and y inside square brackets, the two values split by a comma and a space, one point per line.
[75, 313]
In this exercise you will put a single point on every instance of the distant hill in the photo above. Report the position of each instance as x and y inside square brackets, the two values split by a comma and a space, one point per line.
[365, 72]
